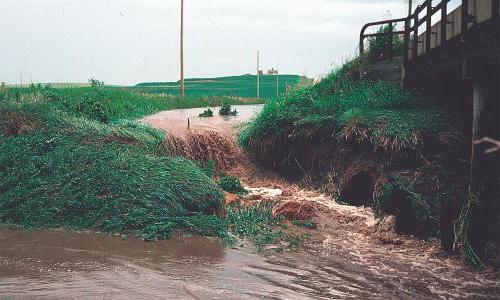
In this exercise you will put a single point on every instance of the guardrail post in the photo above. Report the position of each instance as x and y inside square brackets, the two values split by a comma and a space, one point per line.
[390, 52]
[406, 54]
[465, 18]
[428, 26]
[444, 22]
[495, 16]
[361, 57]
[414, 50]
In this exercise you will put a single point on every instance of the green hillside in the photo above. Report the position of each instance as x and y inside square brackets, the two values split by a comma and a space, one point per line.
[238, 86]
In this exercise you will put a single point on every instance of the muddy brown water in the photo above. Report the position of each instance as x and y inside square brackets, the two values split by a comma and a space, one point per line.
[176, 121]
[349, 262]
[59, 264]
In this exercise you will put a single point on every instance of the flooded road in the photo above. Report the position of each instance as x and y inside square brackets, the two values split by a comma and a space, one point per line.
[176, 121]
[58, 264]
[350, 255]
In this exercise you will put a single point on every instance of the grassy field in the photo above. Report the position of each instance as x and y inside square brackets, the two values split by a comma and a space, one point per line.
[115, 103]
[236, 86]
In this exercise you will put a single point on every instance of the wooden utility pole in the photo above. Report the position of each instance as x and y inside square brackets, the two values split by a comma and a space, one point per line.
[258, 74]
[182, 49]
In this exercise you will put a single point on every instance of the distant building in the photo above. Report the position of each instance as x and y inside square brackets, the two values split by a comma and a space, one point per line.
[272, 72]
[261, 72]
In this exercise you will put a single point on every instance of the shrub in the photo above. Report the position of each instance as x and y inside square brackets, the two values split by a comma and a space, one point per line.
[226, 110]
[93, 109]
[207, 113]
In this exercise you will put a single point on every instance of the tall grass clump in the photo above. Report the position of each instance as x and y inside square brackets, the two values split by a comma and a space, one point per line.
[343, 110]
[62, 170]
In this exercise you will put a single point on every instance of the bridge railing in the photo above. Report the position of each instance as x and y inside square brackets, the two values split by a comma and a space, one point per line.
[413, 38]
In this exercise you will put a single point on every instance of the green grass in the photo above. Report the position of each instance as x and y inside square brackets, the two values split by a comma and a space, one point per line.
[236, 86]
[258, 224]
[351, 111]
[116, 103]
[76, 159]
[358, 123]
[68, 171]
[232, 184]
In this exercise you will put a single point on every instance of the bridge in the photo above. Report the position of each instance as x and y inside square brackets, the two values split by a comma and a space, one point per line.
[435, 40]
[454, 57]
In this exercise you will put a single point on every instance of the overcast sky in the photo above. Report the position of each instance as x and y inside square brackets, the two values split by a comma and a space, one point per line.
[131, 41]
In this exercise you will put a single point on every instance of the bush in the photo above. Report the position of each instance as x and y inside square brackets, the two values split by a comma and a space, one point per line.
[93, 109]
[226, 110]
[207, 113]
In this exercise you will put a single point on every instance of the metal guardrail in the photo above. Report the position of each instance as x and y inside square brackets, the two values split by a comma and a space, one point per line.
[410, 29]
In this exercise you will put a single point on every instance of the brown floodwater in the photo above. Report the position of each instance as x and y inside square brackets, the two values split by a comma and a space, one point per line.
[349, 261]
[176, 121]
[60, 264]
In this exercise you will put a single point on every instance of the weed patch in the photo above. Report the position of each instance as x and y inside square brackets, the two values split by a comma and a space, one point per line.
[232, 184]
[258, 224]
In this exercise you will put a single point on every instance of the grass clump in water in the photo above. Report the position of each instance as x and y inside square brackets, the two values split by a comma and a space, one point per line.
[226, 110]
[207, 113]
[258, 224]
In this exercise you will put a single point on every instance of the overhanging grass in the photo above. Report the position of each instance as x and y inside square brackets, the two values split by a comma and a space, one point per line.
[353, 111]
[76, 173]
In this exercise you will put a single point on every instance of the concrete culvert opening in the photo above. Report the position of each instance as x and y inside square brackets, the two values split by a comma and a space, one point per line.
[358, 190]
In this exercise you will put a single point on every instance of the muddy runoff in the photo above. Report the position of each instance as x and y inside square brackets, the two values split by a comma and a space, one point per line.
[350, 254]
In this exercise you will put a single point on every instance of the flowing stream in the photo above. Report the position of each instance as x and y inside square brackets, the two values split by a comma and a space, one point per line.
[59, 264]
[348, 263]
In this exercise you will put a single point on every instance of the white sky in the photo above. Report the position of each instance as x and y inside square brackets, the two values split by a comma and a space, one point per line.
[131, 41]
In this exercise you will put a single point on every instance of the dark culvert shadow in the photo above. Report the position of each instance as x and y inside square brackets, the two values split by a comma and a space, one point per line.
[358, 190]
